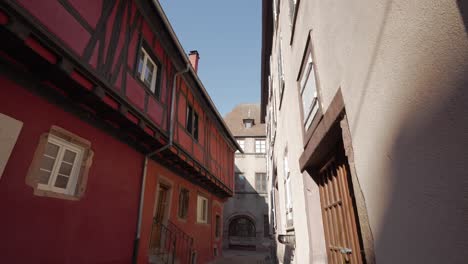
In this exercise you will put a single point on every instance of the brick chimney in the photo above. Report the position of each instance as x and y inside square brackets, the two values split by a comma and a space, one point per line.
[194, 57]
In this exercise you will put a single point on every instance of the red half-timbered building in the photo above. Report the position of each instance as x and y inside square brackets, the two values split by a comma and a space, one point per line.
[111, 149]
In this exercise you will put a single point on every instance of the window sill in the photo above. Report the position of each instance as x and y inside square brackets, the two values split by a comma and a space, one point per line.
[52, 194]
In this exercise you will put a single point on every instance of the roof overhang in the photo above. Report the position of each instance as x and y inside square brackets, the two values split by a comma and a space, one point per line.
[267, 39]
[193, 74]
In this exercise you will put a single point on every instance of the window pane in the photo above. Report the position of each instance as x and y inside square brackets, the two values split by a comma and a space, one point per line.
[44, 177]
[47, 163]
[241, 143]
[149, 73]
[195, 126]
[61, 182]
[141, 60]
[260, 146]
[183, 203]
[260, 182]
[65, 169]
[51, 150]
[204, 210]
[69, 156]
[309, 96]
[188, 123]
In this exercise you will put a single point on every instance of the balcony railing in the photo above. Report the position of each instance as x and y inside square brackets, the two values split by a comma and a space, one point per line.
[169, 244]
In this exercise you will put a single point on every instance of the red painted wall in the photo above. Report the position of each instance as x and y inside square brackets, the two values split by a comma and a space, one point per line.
[80, 35]
[203, 234]
[214, 153]
[100, 228]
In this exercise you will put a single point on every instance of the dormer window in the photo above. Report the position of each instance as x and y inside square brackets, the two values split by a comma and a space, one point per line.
[248, 123]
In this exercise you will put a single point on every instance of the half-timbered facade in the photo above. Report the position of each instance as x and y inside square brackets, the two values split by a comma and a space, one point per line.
[110, 118]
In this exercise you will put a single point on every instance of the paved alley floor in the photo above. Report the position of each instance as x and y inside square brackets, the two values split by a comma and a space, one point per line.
[243, 257]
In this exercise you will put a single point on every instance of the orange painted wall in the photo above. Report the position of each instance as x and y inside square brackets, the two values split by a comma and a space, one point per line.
[203, 234]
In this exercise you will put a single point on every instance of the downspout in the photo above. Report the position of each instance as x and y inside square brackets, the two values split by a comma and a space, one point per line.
[136, 243]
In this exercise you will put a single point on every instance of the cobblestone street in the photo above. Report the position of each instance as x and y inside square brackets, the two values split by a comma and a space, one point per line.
[244, 257]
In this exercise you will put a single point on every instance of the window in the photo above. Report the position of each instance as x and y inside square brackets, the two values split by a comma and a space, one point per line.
[191, 122]
[308, 91]
[260, 182]
[218, 226]
[248, 123]
[260, 146]
[280, 73]
[292, 10]
[241, 143]
[215, 251]
[183, 203]
[60, 165]
[240, 181]
[202, 209]
[289, 202]
[266, 226]
[147, 71]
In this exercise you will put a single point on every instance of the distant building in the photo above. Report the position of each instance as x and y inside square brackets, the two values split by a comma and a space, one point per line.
[366, 106]
[246, 223]
[111, 150]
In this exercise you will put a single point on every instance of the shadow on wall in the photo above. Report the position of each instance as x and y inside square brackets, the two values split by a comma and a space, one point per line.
[426, 220]
[251, 206]
[463, 7]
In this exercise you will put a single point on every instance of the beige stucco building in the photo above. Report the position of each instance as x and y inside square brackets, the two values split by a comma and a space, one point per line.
[366, 108]
[246, 223]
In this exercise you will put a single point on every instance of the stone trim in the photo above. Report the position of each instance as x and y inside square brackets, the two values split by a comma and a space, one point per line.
[32, 177]
[361, 208]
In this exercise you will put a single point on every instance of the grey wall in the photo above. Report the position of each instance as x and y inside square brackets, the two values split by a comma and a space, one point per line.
[402, 67]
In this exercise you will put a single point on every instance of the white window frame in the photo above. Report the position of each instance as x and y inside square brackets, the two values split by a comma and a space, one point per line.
[202, 218]
[261, 182]
[241, 143]
[73, 178]
[146, 58]
[307, 76]
[260, 146]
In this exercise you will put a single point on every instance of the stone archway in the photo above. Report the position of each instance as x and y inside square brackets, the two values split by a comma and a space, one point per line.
[242, 232]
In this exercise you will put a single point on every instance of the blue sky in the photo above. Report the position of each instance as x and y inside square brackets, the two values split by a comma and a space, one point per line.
[227, 34]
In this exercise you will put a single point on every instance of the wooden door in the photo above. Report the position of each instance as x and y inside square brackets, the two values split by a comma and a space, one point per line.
[338, 212]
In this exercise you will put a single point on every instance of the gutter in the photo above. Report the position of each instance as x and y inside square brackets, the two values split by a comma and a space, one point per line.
[136, 242]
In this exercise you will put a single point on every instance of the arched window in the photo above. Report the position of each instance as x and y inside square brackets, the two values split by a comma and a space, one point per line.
[242, 226]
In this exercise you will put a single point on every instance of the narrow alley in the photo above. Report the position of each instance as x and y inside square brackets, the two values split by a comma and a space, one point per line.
[234, 132]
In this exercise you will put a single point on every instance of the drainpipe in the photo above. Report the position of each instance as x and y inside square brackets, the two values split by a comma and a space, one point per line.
[136, 243]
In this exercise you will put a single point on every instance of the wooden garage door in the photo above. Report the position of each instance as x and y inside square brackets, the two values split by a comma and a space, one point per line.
[341, 232]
